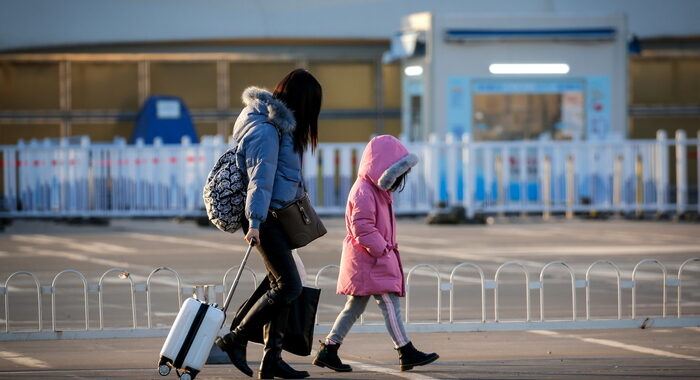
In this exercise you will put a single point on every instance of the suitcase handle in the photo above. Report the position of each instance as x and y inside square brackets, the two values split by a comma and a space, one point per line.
[238, 277]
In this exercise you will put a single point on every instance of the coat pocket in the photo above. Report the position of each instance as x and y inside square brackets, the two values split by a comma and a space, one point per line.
[386, 267]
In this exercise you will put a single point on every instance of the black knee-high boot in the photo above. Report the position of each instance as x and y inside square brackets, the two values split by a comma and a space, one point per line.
[272, 364]
[235, 342]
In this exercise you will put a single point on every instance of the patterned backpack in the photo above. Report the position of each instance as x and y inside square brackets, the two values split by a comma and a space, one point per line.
[225, 192]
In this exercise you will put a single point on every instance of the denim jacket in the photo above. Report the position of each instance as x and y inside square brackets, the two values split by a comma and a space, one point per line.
[263, 134]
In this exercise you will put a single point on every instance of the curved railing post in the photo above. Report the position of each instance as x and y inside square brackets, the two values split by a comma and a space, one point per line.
[252, 273]
[85, 297]
[680, 273]
[527, 288]
[7, 298]
[318, 275]
[148, 290]
[634, 286]
[408, 289]
[483, 291]
[573, 289]
[123, 274]
[588, 288]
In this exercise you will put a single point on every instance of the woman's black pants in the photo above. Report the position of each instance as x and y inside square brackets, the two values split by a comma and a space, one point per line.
[285, 283]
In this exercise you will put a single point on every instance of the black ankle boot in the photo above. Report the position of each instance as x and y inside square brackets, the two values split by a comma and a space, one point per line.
[410, 357]
[328, 357]
[272, 364]
[235, 347]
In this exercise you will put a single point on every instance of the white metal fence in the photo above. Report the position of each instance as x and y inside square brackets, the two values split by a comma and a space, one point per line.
[49, 179]
[576, 321]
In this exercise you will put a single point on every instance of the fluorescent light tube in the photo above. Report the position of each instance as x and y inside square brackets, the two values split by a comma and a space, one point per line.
[528, 68]
[413, 71]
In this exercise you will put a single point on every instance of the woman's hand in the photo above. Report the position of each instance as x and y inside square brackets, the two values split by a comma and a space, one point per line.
[253, 236]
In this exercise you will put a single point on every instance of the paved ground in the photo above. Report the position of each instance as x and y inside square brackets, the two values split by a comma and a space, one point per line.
[203, 255]
[601, 354]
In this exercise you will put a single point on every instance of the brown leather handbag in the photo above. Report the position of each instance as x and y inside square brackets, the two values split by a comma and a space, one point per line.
[300, 222]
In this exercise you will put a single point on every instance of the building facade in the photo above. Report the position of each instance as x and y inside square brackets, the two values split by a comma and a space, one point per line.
[80, 67]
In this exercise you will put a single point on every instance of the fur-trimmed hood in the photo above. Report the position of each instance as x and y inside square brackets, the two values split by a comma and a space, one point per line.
[276, 111]
[384, 160]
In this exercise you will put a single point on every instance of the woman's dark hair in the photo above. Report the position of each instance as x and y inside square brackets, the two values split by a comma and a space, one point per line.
[302, 93]
[400, 182]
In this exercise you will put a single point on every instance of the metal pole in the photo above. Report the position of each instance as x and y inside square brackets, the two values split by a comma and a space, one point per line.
[527, 288]
[85, 296]
[570, 184]
[123, 274]
[148, 290]
[681, 173]
[498, 168]
[617, 184]
[680, 283]
[451, 147]
[318, 276]
[661, 171]
[573, 289]
[468, 176]
[588, 288]
[639, 179]
[546, 187]
[483, 291]
[634, 285]
[7, 298]
[408, 288]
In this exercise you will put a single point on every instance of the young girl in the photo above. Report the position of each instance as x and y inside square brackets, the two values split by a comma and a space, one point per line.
[371, 264]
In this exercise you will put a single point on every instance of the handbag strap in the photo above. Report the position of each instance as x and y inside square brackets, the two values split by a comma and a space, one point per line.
[301, 170]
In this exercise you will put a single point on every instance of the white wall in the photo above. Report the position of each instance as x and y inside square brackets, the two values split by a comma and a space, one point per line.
[40, 23]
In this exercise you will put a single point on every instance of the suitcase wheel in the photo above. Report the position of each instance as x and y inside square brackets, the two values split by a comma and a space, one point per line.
[185, 376]
[164, 370]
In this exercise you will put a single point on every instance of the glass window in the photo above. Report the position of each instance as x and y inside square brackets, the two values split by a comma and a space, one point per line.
[415, 116]
[104, 85]
[391, 75]
[207, 129]
[651, 82]
[194, 82]
[29, 86]
[352, 130]
[528, 110]
[259, 74]
[392, 127]
[346, 85]
[688, 80]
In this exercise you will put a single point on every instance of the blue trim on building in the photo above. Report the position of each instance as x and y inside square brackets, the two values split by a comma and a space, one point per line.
[530, 34]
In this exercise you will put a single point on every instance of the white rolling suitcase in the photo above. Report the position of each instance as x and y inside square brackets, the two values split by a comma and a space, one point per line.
[193, 333]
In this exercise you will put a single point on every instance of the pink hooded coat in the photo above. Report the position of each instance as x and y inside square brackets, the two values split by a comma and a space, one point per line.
[371, 263]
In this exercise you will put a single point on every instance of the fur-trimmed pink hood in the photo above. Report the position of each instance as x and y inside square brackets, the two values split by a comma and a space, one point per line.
[384, 160]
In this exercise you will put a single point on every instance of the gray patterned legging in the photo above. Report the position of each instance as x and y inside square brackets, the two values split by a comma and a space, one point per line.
[355, 306]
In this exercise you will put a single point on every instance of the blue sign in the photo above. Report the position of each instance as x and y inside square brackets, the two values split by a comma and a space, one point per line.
[459, 107]
[598, 108]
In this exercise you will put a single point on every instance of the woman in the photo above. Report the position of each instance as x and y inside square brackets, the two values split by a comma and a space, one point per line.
[272, 132]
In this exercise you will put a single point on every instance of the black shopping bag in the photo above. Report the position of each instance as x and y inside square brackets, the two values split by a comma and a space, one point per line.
[300, 326]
